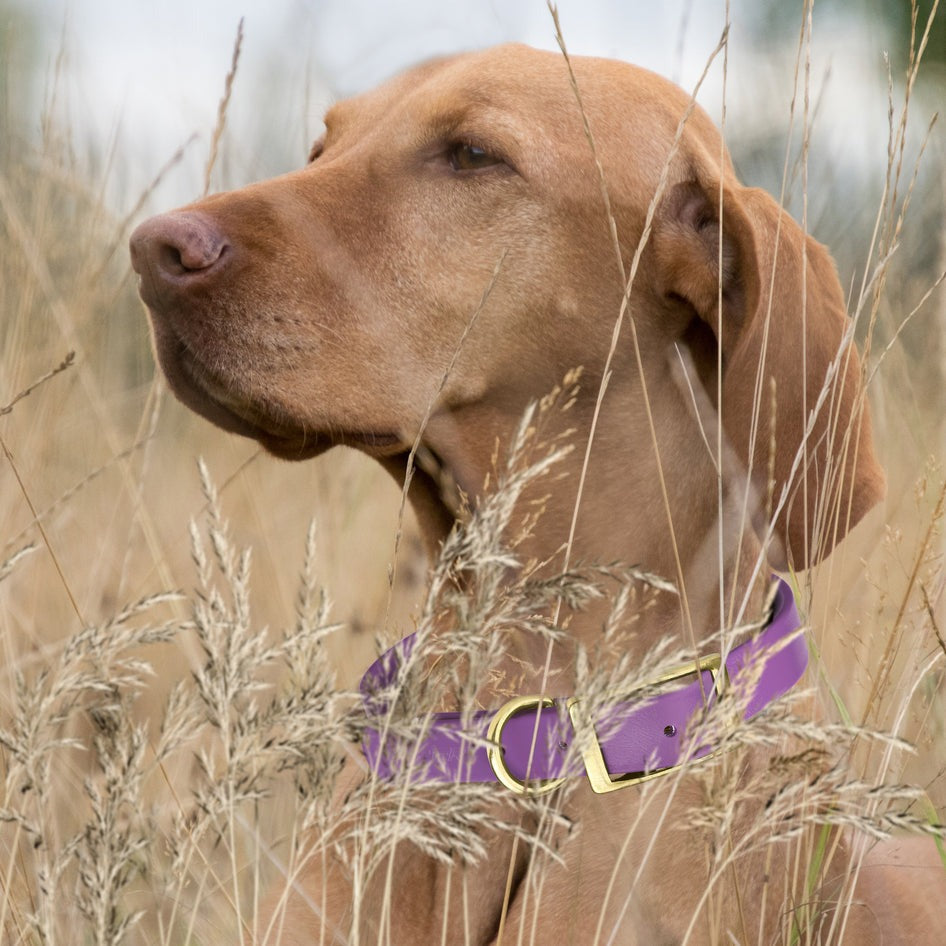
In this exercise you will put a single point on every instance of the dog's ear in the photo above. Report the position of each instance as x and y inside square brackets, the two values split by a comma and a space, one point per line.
[793, 405]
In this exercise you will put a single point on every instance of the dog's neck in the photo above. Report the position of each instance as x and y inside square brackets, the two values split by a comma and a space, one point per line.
[629, 509]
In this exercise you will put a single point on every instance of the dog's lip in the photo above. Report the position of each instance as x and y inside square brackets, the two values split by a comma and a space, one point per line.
[250, 417]
[304, 444]
[301, 440]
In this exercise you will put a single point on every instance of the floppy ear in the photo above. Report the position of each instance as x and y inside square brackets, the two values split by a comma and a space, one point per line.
[793, 403]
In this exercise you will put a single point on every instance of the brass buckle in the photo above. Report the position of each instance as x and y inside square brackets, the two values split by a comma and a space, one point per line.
[601, 780]
[494, 749]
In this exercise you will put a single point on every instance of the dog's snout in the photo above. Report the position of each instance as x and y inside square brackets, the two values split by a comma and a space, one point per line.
[177, 247]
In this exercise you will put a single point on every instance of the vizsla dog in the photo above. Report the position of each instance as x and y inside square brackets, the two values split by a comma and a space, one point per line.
[457, 243]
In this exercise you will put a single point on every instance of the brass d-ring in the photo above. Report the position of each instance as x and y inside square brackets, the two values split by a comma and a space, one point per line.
[495, 752]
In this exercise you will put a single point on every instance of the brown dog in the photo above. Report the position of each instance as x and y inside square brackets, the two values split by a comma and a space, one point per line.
[325, 307]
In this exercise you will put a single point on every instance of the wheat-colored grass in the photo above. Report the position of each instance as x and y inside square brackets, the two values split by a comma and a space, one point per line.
[180, 650]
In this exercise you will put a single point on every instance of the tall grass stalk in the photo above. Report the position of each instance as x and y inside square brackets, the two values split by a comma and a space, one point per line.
[167, 761]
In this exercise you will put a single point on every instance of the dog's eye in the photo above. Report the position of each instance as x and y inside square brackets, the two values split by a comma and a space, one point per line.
[467, 157]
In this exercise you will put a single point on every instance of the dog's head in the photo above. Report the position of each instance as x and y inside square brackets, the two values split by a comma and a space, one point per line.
[456, 244]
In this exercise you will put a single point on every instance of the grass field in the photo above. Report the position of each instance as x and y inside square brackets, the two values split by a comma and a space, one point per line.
[147, 693]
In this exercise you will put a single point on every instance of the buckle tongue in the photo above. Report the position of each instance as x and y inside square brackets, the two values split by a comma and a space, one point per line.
[601, 780]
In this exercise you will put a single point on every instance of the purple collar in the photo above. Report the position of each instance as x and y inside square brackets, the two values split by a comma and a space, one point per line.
[635, 740]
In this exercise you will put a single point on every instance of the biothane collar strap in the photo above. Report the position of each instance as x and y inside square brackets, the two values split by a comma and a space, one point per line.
[636, 740]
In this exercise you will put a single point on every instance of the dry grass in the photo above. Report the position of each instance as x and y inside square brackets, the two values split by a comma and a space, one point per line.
[166, 755]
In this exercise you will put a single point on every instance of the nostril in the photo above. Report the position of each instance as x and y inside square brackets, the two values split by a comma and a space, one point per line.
[200, 245]
[168, 258]
[185, 257]
[177, 244]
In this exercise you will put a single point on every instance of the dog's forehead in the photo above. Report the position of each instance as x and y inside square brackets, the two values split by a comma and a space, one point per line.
[530, 96]
[449, 85]
[513, 78]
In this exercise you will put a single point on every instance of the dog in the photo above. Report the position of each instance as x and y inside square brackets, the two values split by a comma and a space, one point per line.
[461, 238]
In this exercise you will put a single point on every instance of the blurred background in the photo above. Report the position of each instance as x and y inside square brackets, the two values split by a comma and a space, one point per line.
[108, 112]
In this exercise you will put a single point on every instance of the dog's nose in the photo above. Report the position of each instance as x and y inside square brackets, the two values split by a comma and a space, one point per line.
[175, 249]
